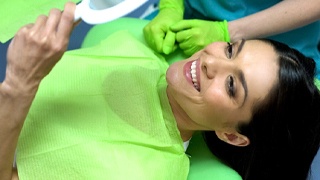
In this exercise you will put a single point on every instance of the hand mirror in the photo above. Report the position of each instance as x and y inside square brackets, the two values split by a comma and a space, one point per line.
[102, 11]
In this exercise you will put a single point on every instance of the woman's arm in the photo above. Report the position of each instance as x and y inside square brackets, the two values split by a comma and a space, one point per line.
[14, 107]
[282, 17]
[31, 55]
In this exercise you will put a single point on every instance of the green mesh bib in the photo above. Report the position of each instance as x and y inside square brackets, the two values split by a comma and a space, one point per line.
[103, 113]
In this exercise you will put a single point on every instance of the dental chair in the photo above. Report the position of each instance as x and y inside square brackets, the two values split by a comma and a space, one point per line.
[203, 165]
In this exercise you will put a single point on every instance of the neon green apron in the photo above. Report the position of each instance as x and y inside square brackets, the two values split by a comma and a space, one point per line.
[103, 113]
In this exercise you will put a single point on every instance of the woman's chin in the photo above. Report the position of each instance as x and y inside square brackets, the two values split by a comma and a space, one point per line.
[173, 74]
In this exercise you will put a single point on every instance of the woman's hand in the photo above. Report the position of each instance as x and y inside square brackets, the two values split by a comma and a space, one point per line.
[37, 47]
[32, 54]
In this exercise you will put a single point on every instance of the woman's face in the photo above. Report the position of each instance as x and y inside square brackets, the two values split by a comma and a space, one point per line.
[218, 86]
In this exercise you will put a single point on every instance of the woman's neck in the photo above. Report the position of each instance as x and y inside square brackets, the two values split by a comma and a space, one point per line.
[182, 119]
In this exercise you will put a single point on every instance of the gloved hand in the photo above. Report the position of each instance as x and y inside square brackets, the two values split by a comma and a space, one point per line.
[157, 33]
[194, 35]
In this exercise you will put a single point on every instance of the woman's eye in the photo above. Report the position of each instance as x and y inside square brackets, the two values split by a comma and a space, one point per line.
[230, 86]
[229, 50]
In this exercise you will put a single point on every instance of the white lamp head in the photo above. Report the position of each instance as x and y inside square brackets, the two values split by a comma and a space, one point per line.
[102, 11]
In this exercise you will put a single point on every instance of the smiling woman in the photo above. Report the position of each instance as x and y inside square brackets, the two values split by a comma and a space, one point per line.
[284, 126]
[108, 114]
[229, 85]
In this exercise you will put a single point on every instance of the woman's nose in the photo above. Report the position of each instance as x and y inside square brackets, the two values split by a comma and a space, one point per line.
[216, 61]
[209, 67]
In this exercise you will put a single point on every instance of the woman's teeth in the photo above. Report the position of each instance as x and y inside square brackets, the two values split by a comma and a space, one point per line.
[194, 75]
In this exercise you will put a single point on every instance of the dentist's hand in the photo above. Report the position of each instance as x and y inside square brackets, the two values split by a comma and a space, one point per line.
[194, 35]
[37, 47]
[157, 33]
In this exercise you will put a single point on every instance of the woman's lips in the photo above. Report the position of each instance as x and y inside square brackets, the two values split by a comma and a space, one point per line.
[192, 73]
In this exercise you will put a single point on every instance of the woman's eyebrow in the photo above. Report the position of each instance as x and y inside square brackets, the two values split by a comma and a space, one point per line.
[240, 46]
[244, 86]
[241, 75]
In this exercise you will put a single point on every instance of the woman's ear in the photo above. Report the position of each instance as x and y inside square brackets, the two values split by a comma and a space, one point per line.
[233, 138]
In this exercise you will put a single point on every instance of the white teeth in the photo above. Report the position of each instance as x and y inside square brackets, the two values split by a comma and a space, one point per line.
[193, 65]
[193, 75]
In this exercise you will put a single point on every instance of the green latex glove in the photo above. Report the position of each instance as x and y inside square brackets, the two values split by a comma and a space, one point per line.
[194, 35]
[157, 33]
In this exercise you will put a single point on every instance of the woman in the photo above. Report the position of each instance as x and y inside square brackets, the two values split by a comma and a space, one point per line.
[269, 126]
[292, 22]
[220, 88]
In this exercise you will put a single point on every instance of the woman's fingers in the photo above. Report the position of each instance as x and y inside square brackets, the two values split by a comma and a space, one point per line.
[66, 24]
[53, 21]
[39, 24]
[37, 47]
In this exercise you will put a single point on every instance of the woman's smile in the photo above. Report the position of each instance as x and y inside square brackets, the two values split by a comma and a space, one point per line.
[192, 73]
